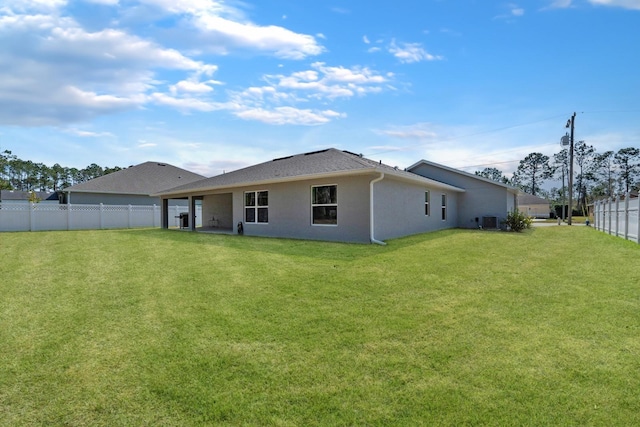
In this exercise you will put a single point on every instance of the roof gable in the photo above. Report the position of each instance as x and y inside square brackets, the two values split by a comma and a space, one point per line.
[145, 178]
[509, 188]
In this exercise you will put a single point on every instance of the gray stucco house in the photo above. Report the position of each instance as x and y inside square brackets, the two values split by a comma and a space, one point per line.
[130, 186]
[485, 202]
[339, 196]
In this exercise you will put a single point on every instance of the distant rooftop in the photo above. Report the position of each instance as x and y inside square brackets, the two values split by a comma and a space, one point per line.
[143, 179]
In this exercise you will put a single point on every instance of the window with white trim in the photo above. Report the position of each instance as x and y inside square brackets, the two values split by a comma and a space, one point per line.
[324, 205]
[427, 208]
[444, 207]
[256, 207]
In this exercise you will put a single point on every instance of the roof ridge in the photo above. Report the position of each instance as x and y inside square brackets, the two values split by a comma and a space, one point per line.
[357, 157]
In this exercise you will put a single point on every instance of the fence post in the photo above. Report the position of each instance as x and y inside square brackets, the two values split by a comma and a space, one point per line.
[608, 215]
[600, 215]
[129, 218]
[617, 204]
[626, 216]
[101, 216]
[638, 219]
[153, 216]
[32, 217]
[68, 216]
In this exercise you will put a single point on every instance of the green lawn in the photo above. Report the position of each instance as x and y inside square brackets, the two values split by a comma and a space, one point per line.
[158, 327]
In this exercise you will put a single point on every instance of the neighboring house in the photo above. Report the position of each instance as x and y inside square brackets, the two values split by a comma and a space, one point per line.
[534, 206]
[336, 195]
[10, 196]
[484, 204]
[130, 186]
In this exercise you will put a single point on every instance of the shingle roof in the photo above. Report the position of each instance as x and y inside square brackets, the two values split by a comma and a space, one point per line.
[329, 162]
[510, 188]
[146, 178]
[25, 195]
[530, 199]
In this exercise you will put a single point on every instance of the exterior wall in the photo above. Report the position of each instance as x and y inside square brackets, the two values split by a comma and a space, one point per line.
[480, 199]
[535, 211]
[220, 207]
[290, 210]
[400, 209]
[119, 199]
[512, 202]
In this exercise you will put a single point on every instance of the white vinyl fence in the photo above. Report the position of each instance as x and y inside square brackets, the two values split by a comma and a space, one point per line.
[41, 216]
[618, 217]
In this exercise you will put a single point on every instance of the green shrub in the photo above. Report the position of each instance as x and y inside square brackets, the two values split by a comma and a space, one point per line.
[517, 221]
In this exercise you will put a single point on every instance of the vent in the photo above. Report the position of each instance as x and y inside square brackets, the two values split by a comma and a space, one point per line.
[490, 222]
[315, 152]
[352, 153]
[162, 164]
[282, 158]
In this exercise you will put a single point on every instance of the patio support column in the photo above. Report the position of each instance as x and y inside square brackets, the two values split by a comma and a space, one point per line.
[164, 213]
[192, 213]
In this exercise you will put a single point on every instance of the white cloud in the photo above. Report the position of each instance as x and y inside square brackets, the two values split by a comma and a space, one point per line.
[280, 41]
[559, 4]
[87, 134]
[408, 53]
[33, 6]
[145, 144]
[514, 11]
[325, 82]
[366, 40]
[194, 85]
[185, 104]
[223, 28]
[276, 102]
[290, 115]
[53, 71]
[104, 2]
[626, 4]
[419, 131]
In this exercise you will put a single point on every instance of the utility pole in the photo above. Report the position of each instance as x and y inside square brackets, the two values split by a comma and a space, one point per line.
[564, 193]
[571, 123]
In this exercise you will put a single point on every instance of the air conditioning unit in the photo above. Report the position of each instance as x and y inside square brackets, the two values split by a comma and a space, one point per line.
[489, 222]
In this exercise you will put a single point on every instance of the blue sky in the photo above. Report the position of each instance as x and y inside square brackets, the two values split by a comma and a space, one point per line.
[213, 86]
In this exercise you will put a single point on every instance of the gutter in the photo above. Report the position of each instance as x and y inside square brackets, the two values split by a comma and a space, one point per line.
[371, 215]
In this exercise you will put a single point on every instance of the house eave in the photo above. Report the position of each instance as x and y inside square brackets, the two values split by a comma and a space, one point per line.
[183, 193]
[365, 171]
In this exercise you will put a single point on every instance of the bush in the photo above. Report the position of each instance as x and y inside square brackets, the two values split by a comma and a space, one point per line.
[517, 221]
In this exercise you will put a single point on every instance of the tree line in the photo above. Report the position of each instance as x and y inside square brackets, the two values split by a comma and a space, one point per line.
[596, 175]
[25, 175]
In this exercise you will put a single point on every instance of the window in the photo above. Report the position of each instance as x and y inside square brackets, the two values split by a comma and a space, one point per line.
[444, 207]
[256, 206]
[324, 205]
[427, 210]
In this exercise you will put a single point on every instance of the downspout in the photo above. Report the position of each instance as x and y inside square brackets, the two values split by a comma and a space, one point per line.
[371, 215]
